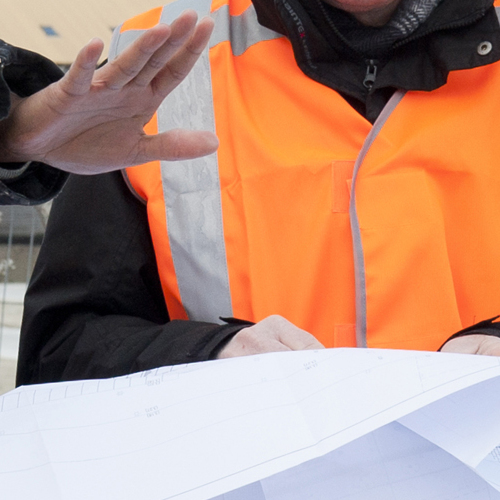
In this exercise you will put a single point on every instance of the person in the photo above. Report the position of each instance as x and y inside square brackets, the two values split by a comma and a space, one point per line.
[353, 199]
[53, 124]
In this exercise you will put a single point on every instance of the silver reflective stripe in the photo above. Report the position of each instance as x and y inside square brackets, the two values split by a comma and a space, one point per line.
[241, 31]
[192, 195]
[170, 12]
[113, 48]
[191, 188]
[498, 12]
[173, 10]
[359, 261]
[121, 41]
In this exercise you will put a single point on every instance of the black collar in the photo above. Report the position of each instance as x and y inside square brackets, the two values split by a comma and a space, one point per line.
[447, 41]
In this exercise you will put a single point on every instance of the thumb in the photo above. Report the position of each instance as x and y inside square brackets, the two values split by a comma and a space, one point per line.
[177, 144]
[291, 335]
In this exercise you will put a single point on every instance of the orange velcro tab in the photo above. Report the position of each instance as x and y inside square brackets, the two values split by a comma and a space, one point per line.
[341, 174]
[344, 335]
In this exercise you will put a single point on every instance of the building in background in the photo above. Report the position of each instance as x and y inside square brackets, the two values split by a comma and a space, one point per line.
[59, 28]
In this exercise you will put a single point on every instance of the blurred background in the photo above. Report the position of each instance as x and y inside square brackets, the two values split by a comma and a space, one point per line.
[57, 29]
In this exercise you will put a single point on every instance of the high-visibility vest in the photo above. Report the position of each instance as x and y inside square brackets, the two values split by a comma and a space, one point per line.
[384, 235]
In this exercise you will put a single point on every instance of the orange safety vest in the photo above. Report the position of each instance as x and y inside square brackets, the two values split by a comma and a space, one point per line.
[381, 236]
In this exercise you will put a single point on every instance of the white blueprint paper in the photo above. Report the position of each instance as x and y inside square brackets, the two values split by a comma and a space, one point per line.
[465, 424]
[489, 468]
[391, 463]
[208, 429]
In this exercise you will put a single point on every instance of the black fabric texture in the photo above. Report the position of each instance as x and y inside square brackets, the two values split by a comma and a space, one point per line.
[376, 41]
[38, 184]
[447, 41]
[5, 56]
[27, 72]
[95, 306]
[24, 73]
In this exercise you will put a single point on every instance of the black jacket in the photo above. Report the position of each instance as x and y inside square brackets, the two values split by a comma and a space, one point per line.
[95, 306]
[24, 73]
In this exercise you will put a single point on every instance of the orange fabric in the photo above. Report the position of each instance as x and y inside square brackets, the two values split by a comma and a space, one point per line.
[341, 185]
[426, 195]
[236, 7]
[344, 335]
[431, 190]
[143, 21]
[275, 172]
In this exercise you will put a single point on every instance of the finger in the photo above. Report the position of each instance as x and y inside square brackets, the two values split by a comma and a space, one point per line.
[177, 144]
[182, 29]
[127, 65]
[294, 337]
[181, 64]
[490, 346]
[78, 79]
[474, 344]
[466, 345]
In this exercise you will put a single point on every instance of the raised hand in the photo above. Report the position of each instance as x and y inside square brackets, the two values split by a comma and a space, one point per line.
[91, 121]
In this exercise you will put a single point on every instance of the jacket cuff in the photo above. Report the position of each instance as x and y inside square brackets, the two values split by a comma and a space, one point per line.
[233, 326]
[208, 346]
[35, 184]
[486, 327]
[12, 170]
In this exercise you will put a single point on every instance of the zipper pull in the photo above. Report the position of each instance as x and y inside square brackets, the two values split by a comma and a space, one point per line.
[371, 74]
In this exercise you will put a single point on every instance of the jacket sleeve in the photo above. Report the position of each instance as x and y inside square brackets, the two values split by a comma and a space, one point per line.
[95, 307]
[29, 184]
[488, 327]
[24, 73]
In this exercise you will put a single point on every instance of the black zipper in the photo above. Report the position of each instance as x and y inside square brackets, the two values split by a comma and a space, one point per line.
[371, 73]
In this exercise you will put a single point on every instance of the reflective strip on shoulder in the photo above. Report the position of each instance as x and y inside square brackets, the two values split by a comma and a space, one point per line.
[359, 260]
[130, 30]
[193, 201]
[113, 48]
[121, 41]
[241, 31]
[497, 9]
[173, 10]
[169, 13]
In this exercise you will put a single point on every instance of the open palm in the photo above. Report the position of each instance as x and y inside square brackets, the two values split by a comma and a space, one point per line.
[92, 121]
